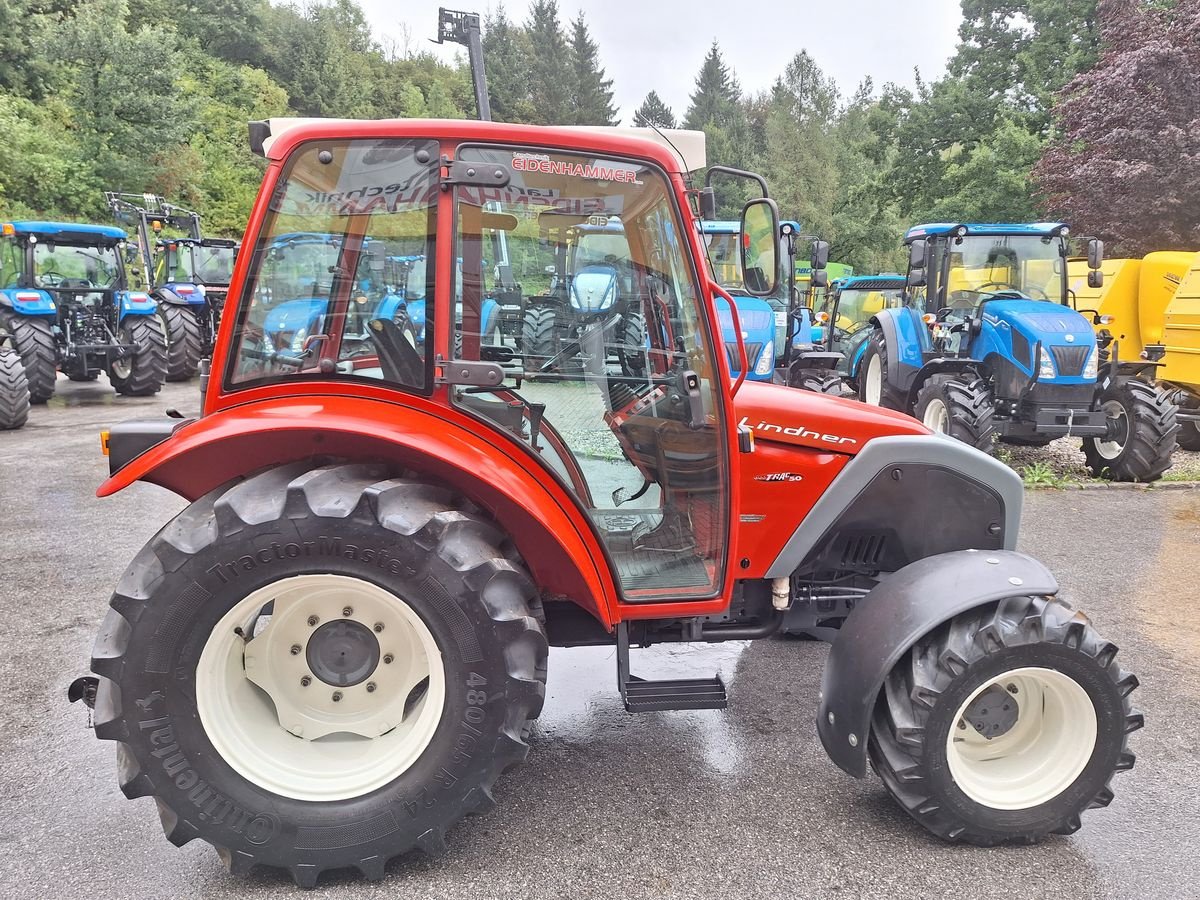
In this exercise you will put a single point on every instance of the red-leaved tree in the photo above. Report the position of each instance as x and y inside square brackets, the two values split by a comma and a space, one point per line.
[1125, 161]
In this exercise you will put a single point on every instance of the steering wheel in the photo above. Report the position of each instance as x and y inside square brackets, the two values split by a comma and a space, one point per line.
[57, 282]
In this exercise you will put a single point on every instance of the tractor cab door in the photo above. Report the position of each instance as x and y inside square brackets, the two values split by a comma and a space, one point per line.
[626, 412]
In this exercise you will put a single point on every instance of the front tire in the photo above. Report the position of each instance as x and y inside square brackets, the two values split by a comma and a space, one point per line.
[142, 374]
[181, 326]
[340, 575]
[819, 383]
[873, 385]
[960, 408]
[1143, 419]
[14, 391]
[632, 351]
[33, 338]
[1005, 724]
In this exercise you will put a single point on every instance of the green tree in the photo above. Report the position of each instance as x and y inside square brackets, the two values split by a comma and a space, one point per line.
[592, 92]
[550, 75]
[653, 112]
[507, 54]
[715, 100]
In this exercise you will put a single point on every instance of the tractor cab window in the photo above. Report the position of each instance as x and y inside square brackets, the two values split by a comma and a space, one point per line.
[338, 266]
[83, 267]
[979, 267]
[212, 265]
[11, 263]
[610, 372]
[724, 260]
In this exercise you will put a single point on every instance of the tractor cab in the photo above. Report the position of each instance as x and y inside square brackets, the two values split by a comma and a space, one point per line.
[843, 318]
[762, 319]
[206, 263]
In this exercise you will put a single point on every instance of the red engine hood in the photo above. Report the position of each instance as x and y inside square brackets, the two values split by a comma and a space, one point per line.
[807, 419]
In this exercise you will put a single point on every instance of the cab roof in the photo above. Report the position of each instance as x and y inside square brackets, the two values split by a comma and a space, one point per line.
[881, 282]
[674, 149]
[733, 227]
[997, 229]
[71, 231]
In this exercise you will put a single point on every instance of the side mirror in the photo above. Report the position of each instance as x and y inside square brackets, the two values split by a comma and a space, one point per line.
[917, 252]
[1095, 254]
[1095, 278]
[760, 246]
[916, 277]
[820, 255]
[819, 278]
[708, 204]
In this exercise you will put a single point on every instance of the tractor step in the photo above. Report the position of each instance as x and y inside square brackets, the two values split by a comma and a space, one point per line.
[643, 695]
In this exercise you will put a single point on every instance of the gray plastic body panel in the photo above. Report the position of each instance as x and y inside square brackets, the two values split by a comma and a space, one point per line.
[904, 607]
[898, 450]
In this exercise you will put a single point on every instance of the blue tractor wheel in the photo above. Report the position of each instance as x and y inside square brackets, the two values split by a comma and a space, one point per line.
[874, 386]
[14, 390]
[961, 407]
[33, 338]
[1143, 425]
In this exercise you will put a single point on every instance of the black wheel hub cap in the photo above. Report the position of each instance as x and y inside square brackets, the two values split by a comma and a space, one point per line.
[343, 652]
[993, 712]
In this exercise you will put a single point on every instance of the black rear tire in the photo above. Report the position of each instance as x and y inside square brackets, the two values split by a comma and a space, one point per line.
[1189, 432]
[819, 383]
[969, 409]
[539, 336]
[876, 355]
[33, 338]
[632, 352]
[1142, 451]
[181, 325]
[916, 717]
[14, 390]
[417, 542]
[144, 373]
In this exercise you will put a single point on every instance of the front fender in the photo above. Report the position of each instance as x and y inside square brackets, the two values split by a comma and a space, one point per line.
[135, 303]
[545, 523]
[894, 616]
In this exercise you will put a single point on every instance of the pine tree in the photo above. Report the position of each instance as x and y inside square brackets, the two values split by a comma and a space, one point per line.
[507, 54]
[592, 91]
[550, 73]
[715, 101]
[653, 112]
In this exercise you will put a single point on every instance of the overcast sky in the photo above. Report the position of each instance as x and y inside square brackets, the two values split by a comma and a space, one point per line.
[659, 44]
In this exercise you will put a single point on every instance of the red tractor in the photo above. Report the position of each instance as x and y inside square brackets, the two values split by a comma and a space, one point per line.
[329, 657]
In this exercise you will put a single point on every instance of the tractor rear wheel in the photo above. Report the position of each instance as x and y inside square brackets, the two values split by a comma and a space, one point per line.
[33, 338]
[819, 383]
[1005, 724]
[1142, 437]
[958, 407]
[539, 335]
[14, 391]
[873, 385]
[181, 326]
[1189, 432]
[320, 668]
[143, 373]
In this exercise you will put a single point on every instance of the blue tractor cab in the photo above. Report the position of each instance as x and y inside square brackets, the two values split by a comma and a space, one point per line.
[986, 346]
[762, 319]
[66, 303]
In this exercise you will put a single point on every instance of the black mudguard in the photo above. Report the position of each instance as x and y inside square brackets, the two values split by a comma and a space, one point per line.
[166, 295]
[130, 439]
[887, 622]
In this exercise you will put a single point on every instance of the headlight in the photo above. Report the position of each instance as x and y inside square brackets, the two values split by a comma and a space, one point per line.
[1045, 366]
[1091, 370]
[766, 359]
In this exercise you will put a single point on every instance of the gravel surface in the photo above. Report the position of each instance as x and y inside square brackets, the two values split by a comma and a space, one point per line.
[1062, 460]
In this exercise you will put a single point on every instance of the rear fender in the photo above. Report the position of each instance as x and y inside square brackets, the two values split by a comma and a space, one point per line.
[886, 623]
[135, 303]
[905, 345]
[27, 301]
[547, 527]
[180, 295]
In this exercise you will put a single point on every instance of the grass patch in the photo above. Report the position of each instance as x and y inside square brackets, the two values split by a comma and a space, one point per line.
[1040, 474]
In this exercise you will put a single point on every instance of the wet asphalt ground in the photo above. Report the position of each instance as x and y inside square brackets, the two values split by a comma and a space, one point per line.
[732, 804]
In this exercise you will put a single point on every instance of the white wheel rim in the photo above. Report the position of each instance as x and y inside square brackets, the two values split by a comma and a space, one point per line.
[296, 740]
[1040, 756]
[874, 381]
[937, 417]
[1112, 449]
[123, 368]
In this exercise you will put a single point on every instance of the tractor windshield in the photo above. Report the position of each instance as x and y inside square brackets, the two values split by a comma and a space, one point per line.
[723, 258]
[212, 265]
[75, 267]
[977, 267]
[619, 393]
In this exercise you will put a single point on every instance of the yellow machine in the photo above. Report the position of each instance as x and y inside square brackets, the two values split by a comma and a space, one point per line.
[1150, 307]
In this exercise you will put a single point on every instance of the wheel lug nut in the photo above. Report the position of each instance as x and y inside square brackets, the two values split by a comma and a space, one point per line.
[347, 611]
[1012, 688]
[378, 627]
[312, 621]
[370, 687]
[337, 695]
[295, 649]
[962, 726]
[387, 658]
[305, 681]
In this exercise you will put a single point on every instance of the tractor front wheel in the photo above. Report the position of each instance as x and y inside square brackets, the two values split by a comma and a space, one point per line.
[632, 349]
[873, 385]
[14, 391]
[320, 668]
[33, 338]
[822, 383]
[961, 408]
[181, 326]
[1142, 429]
[1005, 724]
[1189, 432]
[539, 336]
[143, 373]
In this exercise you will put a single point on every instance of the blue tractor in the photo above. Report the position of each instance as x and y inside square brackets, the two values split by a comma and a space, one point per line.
[65, 303]
[756, 315]
[831, 362]
[986, 346]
